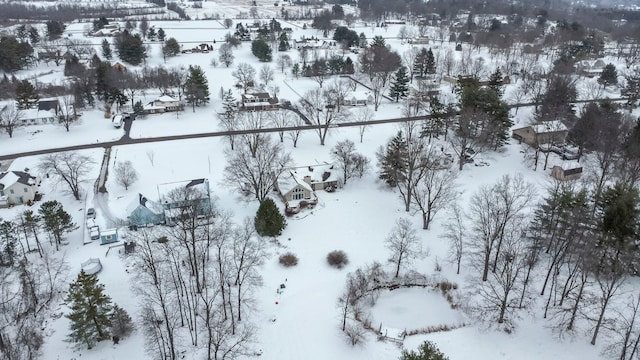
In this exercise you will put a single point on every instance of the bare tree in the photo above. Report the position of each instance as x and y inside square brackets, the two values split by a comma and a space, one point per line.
[228, 23]
[125, 174]
[256, 176]
[225, 54]
[455, 232]
[281, 119]
[626, 335]
[68, 114]
[351, 163]
[492, 210]
[435, 189]
[284, 61]
[404, 244]
[323, 115]
[68, 167]
[363, 115]
[266, 74]
[248, 255]
[245, 75]
[294, 134]
[251, 121]
[10, 119]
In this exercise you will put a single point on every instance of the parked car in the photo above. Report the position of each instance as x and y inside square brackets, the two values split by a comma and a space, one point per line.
[94, 233]
[91, 213]
[117, 120]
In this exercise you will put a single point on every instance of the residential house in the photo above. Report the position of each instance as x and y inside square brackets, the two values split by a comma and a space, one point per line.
[164, 103]
[359, 98]
[119, 66]
[567, 171]
[297, 186]
[184, 198]
[143, 212]
[259, 101]
[18, 187]
[547, 132]
[37, 117]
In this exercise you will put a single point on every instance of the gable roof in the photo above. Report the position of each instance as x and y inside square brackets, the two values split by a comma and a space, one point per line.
[48, 104]
[201, 185]
[548, 127]
[289, 181]
[166, 98]
[143, 201]
[9, 178]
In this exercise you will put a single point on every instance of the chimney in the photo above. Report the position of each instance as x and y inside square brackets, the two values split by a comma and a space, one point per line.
[307, 179]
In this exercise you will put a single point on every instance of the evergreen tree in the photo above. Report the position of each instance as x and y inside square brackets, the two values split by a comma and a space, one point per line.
[609, 75]
[170, 48]
[34, 35]
[121, 323]
[261, 50]
[8, 240]
[430, 62]
[400, 85]
[295, 70]
[90, 310]
[151, 34]
[269, 221]
[106, 49]
[196, 87]
[437, 119]
[363, 42]
[631, 90]
[54, 29]
[348, 67]
[284, 42]
[138, 108]
[14, 55]
[392, 163]
[426, 351]
[420, 63]
[496, 82]
[130, 48]
[55, 220]
[26, 95]
[161, 34]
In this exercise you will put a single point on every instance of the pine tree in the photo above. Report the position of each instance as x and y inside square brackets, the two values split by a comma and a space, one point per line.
[269, 221]
[90, 310]
[430, 63]
[632, 90]
[261, 50]
[400, 85]
[496, 82]
[34, 35]
[609, 75]
[170, 48]
[138, 108]
[419, 65]
[196, 87]
[284, 42]
[8, 239]
[106, 49]
[121, 323]
[393, 161]
[161, 34]
[437, 119]
[26, 95]
[426, 351]
[348, 67]
[55, 220]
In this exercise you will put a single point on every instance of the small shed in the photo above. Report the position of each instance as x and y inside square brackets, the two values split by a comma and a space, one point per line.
[108, 236]
[567, 171]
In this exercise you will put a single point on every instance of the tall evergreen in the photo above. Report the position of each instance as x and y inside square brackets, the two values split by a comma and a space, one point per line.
[392, 161]
[496, 81]
[14, 55]
[430, 62]
[56, 220]
[261, 50]
[426, 351]
[632, 90]
[400, 85]
[196, 87]
[121, 323]
[26, 95]
[130, 48]
[90, 311]
[106, 49]
[269, 221]
[609, 75]
[284, 42]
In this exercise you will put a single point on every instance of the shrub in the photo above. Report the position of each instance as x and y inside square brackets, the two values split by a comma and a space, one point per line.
[337, 259]
[288, 259]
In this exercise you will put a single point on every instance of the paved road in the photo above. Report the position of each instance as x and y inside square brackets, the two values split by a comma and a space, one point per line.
[126, 140]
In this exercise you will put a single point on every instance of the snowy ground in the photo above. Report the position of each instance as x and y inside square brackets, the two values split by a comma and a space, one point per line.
[355, 219]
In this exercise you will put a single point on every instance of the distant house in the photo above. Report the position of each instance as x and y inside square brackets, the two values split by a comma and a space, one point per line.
[143, 212]
[547, 132]
[259, 102]
[37, 117]
[163, 104]
[108, 236]
[17, 187]
[119, 66]
[297, 186]
[567, 171]
[184, 198]
[359, 98]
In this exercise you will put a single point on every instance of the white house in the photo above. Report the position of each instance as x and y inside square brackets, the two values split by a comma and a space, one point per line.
[169, 103]
[36, 117]
[297, 186]
[359, 98]
[17, 187]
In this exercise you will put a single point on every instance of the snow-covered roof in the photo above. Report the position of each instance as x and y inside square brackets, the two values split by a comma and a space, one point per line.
[142, 200]
[166, 98]
[35, 114]
[9, 178]
[108, 232]
[289, 181]
[548, 126]
[202, 185]
[317, 174]
[360, 94]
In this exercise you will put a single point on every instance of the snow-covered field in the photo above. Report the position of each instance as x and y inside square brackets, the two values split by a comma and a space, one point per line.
[355, 219]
